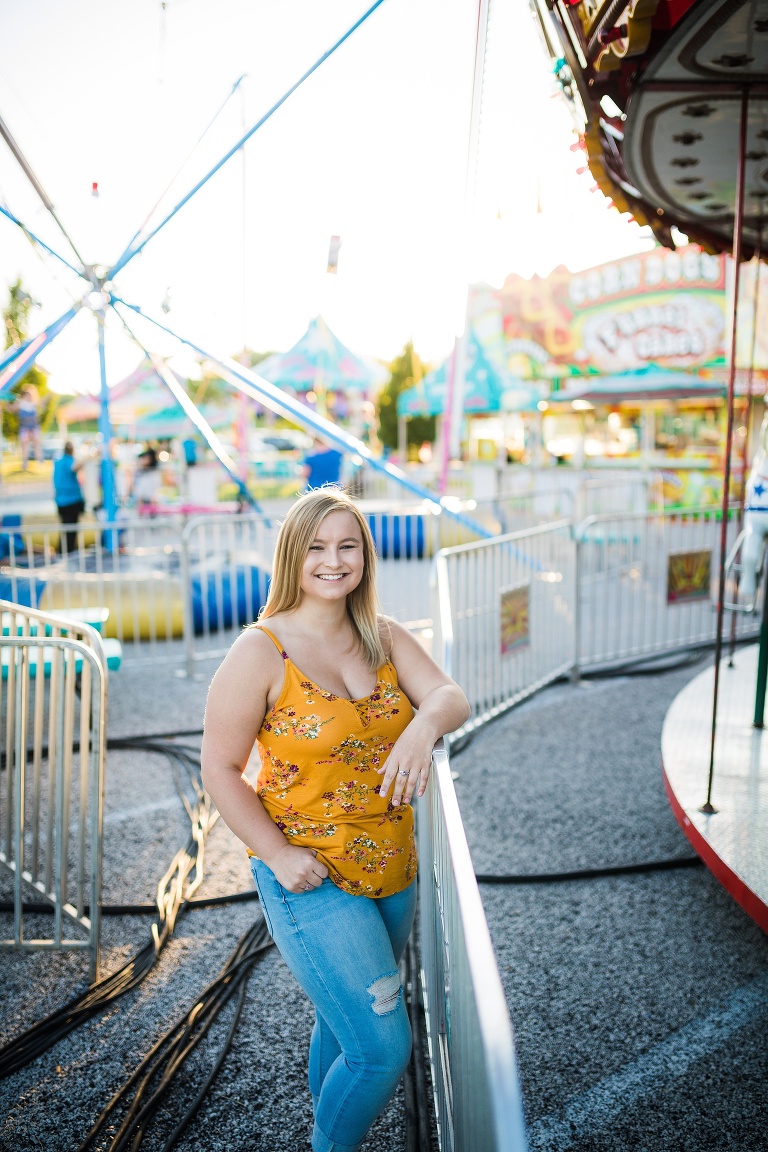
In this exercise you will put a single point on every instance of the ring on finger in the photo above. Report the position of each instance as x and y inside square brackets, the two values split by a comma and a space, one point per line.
[307, 887]
[403, 772]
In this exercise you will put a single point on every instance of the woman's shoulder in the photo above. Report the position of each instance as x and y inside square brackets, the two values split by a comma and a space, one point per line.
[389, 631]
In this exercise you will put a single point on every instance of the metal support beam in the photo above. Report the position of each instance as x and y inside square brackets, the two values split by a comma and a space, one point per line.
[737, 228]
[132, 250]
[273, 397]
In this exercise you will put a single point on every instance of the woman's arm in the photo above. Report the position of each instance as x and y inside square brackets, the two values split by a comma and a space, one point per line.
[441, 707]
[237, 703]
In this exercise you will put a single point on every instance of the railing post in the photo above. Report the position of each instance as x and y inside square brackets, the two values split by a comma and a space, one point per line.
[577, 560]
[188, 616]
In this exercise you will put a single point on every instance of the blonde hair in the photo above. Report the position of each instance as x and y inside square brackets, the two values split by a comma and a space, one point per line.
[296, 534]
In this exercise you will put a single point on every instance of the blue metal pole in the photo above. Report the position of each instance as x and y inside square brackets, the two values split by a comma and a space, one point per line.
[17, 361]
[132, 251]
[108, 498]
[200, 423]
[37, 240]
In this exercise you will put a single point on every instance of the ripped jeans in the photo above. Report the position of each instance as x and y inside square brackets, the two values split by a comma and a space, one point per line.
[344, 951]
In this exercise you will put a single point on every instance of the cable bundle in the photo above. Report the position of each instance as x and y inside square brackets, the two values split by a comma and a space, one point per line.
[145, 1090]
[173, 891]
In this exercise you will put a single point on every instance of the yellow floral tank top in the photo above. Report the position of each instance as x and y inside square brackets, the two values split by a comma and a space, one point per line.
[318, 780]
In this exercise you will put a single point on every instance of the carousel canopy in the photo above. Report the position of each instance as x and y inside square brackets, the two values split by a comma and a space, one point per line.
[649, 383]
[487, 387]
[320, 360]
[658, 88]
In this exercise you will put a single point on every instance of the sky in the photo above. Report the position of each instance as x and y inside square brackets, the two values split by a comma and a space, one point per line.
[373, 147]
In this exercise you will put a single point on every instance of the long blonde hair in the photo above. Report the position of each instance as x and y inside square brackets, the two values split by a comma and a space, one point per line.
[297, 532]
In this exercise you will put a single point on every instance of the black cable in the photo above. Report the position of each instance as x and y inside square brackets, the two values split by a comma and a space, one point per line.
[41, 909]
[418, 1127]
[481, 878]
[148, 1085]
[174, 892]
[592, 873]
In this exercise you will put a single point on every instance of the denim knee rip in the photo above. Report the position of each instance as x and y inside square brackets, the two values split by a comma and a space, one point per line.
[385, 994]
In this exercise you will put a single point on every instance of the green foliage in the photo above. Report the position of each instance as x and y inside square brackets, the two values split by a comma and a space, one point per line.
[405, 371]
[17, 324]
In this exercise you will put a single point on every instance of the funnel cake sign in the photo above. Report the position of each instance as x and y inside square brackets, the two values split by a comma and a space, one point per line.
[684, 333]
[665, 308]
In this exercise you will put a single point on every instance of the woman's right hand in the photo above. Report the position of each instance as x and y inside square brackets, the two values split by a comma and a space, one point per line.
[297, 869]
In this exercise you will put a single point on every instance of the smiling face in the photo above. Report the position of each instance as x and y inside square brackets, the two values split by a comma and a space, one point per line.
[334, 563]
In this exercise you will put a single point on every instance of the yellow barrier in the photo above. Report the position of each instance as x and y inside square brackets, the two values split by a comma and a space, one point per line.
[142, 605]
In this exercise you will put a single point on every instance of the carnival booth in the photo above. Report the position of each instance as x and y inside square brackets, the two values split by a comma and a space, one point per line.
[635, 356]
[493, 402]
[327, 376]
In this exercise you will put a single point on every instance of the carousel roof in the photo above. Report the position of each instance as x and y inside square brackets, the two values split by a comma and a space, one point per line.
[659, 84]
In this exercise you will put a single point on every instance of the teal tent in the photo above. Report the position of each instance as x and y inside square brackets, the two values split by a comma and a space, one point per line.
[319, 359]
[487, 387]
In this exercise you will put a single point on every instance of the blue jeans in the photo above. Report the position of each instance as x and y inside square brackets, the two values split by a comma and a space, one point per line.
[344, 951]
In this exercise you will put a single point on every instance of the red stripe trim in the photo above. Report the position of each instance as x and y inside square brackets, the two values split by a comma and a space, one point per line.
[754, 907]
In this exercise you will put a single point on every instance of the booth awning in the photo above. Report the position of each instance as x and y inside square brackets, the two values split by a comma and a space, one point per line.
[645, 384]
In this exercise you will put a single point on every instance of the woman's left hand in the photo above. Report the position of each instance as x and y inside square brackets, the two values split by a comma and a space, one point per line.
[409, 763]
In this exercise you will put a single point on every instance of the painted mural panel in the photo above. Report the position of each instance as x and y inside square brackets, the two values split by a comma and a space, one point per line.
[659, 307]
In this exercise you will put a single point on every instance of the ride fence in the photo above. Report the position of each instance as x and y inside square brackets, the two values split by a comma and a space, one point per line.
[180, 590]
[516, 612]
[648, 584]
[52, 740]
[474, 1075]
[505, 615]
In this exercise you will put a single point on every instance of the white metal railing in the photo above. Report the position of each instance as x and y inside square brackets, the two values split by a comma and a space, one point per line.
[505, 616]
[647, 584]
[131, 568]
[52, 740]
[226, 562]
[474, 1075]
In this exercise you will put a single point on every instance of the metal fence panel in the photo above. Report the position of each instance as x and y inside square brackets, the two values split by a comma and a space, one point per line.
[226, 565]
[648, 584]
[505, 616]
[131, 567]
[474, 1075]
[53, 724]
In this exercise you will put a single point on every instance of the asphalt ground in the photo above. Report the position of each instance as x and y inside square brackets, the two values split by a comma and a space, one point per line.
[260, 1101]
[639, 1003]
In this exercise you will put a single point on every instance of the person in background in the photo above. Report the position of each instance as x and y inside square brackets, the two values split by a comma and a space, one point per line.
[68, 495]
[321, 466]
[29, 427]
[146, 482]
[189, 448]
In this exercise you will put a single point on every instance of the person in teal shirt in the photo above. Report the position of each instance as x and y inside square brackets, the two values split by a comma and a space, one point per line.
[68, 495]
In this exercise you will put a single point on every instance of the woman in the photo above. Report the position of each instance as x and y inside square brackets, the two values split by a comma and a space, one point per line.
[329, 689]
[68, 495]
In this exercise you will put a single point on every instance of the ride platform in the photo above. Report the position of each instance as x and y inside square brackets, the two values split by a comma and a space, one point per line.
[733, 840]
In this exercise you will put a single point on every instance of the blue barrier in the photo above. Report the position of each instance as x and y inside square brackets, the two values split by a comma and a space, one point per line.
[398, 536]
[216, 605]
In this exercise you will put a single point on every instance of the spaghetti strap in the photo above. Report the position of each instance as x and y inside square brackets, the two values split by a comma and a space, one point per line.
[274, 640]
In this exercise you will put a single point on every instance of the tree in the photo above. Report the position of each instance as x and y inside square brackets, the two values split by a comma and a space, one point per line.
[16, 321]
[404, 372]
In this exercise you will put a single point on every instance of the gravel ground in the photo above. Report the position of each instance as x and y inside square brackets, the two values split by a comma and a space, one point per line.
[639, 1003]
[260, 1100]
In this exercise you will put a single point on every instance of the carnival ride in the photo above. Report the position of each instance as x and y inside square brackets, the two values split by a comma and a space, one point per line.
[670, 103]
[101, 294]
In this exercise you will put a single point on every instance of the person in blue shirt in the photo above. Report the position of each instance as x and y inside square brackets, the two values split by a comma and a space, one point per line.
[68, 495]
[322, 465]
